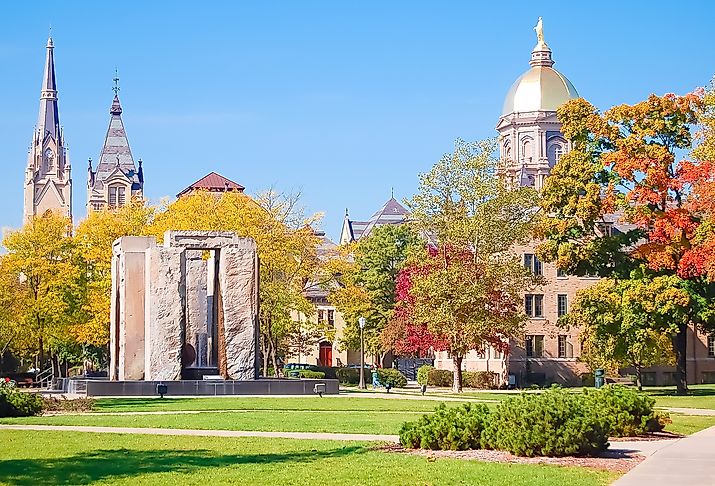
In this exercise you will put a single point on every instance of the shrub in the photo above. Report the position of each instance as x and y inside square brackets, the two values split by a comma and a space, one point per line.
[54, 404]
[423, 374]
[628, 412]
[440, 378]
[553, 423]
[15, 403]
[350, 376]
[329, 371]
[457, 428]
[392, 377]
[485, 380]
[316, 375]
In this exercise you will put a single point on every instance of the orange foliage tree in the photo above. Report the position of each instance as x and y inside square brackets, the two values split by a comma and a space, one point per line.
[626, 167]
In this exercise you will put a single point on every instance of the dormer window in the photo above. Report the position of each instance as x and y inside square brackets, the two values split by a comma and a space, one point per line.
[117, 196]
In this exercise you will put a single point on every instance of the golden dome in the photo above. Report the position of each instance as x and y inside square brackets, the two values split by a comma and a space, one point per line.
[541, 88]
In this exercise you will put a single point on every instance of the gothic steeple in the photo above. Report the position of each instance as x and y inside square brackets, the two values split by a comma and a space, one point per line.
[116, 180]
[48, 185]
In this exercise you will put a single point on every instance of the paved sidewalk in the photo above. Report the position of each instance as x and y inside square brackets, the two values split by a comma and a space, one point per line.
[205, 433]
[690, 411]
[689, 461]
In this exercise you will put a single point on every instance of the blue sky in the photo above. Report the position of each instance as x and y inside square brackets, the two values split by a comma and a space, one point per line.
[339, 100]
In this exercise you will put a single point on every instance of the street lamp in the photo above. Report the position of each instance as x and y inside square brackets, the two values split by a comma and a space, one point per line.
[361, 321]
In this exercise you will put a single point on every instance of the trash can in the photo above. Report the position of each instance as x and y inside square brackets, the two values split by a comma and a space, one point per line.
[599, 377]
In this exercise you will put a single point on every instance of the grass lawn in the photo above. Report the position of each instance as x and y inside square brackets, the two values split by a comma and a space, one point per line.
[364, 422]
[689, 424]
[259, 403]
[699, 396]
[32, 458]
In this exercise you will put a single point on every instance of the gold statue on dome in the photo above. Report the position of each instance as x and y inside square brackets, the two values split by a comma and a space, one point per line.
[539, 31]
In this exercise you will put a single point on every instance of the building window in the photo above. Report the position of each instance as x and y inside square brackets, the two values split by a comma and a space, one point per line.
[711, 345]
[534, 346]
[321, 316]
[606, 229]
[563, 347]
[116, 196]
[534, 305]
[563, 304]
[561, 273]
[331, 317]
[532, 262]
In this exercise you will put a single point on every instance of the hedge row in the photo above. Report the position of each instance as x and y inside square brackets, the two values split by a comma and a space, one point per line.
[428, 375]
[552, 423]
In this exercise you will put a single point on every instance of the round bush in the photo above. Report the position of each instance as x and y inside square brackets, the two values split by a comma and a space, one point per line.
[553, 423]
[392, 377]
[423, 374]
[485, 380]
[456, 428]
[628, 411]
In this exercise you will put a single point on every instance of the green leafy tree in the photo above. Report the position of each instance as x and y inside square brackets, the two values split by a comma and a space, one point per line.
[469, 290]
[622, 322]
[368, 277]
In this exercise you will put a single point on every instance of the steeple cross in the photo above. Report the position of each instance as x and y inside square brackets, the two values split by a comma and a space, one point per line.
[116, 82]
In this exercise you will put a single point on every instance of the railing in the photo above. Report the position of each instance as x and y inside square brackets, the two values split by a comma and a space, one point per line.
[44, 378]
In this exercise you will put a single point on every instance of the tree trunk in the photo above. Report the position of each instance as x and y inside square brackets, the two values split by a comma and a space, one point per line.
[679, 341]
[639, 377]
[273, 348]
[264, 352]
[457, 382]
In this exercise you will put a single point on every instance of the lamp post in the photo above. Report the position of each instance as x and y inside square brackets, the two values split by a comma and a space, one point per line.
[361, 321]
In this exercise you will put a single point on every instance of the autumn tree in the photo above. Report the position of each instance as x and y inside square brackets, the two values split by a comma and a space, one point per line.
[367, 283]
[625, 323]
[42, 258]
[624, 166]
[469, 289]
[93, 239]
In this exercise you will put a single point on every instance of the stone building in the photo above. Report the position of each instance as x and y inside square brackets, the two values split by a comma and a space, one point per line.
[116, 181]
[48, 181]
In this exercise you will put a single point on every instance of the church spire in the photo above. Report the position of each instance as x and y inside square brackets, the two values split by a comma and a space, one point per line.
[48, 121]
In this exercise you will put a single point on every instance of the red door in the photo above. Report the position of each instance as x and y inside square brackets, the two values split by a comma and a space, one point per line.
[326, 354]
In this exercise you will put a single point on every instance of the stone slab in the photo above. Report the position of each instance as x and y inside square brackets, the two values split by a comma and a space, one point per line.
[238, 285]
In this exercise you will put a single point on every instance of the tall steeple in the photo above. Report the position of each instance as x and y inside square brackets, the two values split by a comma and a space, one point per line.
[116, 180]
[48, 183]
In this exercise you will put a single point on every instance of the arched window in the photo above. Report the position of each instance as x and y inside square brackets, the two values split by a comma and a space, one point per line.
[527, 148]
[49, 159]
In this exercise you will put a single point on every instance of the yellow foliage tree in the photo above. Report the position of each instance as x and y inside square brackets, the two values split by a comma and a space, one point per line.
[94, 238]
[42, 259]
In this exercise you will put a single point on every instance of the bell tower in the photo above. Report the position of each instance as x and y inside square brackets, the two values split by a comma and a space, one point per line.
[48, 181]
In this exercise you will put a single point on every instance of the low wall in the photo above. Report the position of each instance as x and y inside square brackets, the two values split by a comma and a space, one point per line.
[105, 388]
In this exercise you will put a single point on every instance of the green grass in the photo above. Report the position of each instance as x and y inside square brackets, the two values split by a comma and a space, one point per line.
[325, 421]
[689, 424]
[33, 458]
[277, 403]
[699, 396]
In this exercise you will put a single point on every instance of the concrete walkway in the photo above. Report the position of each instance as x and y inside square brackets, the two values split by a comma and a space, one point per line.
[690, 411]
[205, 433]
[689, 461]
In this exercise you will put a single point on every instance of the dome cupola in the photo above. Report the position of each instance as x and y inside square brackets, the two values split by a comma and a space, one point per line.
[541, 88]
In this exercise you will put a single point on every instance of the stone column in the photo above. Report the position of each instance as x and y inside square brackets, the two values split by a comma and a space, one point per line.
[129, 284]
[238, 322]
[165, 323]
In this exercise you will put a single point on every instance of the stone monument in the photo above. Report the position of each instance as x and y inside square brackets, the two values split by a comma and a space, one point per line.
[184, 310]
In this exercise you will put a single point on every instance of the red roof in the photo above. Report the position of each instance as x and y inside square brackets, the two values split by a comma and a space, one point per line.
[213, 182]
